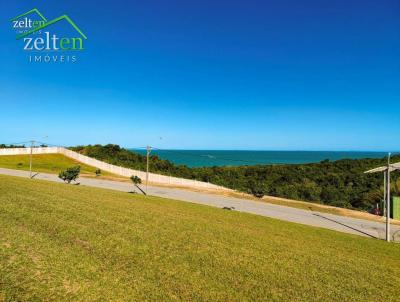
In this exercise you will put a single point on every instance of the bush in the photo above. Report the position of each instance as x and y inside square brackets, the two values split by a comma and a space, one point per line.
[70, 174]
[257, 188]
[136, 180]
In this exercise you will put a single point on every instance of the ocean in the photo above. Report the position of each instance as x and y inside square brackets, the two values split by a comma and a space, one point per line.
[209, 158]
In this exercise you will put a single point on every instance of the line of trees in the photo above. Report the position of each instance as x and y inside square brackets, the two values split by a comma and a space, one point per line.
[339, 183]
[4, 146]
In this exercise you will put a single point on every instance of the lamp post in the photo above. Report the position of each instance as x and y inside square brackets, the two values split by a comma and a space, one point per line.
[388, 201]
[30, 159]
[386, 180]
[148, 149]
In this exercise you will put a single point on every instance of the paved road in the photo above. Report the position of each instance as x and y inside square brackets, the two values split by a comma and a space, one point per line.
[334, 222]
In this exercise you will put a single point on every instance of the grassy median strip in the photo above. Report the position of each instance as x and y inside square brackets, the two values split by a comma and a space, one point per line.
[64, 243]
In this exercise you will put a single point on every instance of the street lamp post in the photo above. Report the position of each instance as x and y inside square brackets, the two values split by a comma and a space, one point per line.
[386, 181]
[148, 149]
[388, 201]
[30, 159]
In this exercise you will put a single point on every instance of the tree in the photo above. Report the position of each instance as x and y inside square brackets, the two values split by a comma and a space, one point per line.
[70, 174]
[257, 188]
[136, 181]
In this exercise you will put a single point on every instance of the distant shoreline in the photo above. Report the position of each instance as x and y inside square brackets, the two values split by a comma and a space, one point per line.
[209, 158]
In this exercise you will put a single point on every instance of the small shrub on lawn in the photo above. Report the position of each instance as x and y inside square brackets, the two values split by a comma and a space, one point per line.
[136, 180]
[70, 174]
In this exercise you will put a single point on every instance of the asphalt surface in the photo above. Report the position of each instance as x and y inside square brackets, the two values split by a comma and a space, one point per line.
[329, 221]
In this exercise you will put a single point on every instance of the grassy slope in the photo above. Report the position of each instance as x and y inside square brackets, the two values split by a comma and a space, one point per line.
[63, 242]
[49, 163]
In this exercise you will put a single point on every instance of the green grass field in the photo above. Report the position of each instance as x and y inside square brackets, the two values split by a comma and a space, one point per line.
[62, 242]
[49, 163]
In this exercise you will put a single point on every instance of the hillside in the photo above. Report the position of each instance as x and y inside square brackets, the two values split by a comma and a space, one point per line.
[339, 183]
[69, 243]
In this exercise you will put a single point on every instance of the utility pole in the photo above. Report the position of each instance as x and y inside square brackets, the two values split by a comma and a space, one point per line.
[384, 194]
[148, 149]
[30, 160]
[388, 201]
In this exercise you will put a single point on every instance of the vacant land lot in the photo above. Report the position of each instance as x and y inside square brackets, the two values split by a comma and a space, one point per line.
[54, 163]
[50, 163]
[65, 242]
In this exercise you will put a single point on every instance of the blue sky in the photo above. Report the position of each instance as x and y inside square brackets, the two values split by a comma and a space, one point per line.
[270, 75]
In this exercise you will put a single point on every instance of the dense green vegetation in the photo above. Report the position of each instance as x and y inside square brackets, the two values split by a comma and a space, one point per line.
[3, 146]
[340, 183]
[76, 243]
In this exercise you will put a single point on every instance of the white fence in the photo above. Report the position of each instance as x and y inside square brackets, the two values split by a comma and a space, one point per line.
[154, 178]
[35, 150]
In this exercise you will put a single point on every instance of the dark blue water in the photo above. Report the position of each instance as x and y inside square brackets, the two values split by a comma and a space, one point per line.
[207, 158]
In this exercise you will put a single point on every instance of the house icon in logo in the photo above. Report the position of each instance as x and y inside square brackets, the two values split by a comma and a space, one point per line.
[50, 41]
[35, 10]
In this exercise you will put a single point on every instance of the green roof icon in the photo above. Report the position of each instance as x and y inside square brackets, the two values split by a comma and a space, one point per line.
[34, 10]
[47, 23]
